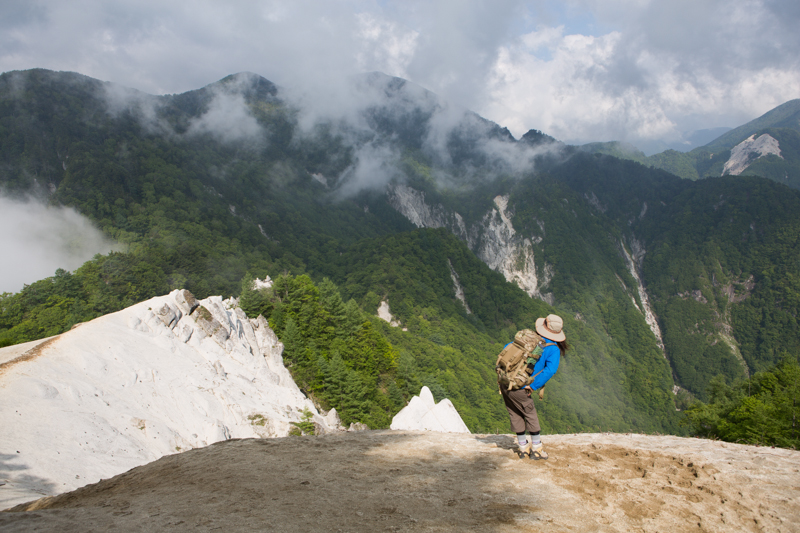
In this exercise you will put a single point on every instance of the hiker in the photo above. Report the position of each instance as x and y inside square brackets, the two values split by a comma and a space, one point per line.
[519, 403]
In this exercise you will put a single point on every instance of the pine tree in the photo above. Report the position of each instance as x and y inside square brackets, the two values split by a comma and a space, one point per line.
[293, 345]
[353, 318]
[332, 302]
[355, 398]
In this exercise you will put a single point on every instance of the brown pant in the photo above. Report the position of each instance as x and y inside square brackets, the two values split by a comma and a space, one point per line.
[521, 411]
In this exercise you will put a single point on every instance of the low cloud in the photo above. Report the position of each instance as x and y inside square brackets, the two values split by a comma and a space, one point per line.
[580, 70]
[374, 167]
[657, 70]
[383, 119]
[145, 107]
[37, 239]
[227, 116]
[228, 119]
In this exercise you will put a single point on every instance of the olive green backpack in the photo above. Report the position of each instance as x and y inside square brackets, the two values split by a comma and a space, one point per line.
[512, 363]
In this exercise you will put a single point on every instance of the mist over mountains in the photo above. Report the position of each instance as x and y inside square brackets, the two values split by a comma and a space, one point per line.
[396, 196]
[42, 238]
[766, 146]
[689, 140]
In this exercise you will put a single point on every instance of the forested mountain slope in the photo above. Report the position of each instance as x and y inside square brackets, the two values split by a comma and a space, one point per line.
[466, 234]
[786, 115]
[768, 146]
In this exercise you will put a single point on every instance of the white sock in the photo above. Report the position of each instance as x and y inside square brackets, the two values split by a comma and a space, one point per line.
[522, 439]
[536, 440]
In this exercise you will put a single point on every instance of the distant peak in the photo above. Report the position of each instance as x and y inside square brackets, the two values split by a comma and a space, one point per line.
[536, 137]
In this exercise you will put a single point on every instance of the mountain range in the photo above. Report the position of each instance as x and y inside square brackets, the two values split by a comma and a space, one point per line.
[767, 146]
[393, 199]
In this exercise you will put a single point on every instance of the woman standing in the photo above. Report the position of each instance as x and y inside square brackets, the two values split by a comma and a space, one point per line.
[519, 403]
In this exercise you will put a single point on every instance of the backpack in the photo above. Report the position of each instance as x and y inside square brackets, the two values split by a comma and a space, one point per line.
[515, 363]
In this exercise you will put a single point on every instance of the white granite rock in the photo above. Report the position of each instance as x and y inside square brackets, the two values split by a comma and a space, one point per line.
[423, 413]
[163, 376]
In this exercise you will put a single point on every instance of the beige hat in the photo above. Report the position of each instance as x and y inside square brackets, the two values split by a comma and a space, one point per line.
[551, 328]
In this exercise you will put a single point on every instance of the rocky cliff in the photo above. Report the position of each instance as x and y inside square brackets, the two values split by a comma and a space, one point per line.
[166, 375]
[494, 239]
[750, 149]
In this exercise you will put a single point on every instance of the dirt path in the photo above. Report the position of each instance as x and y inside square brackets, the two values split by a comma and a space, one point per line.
[395, 481]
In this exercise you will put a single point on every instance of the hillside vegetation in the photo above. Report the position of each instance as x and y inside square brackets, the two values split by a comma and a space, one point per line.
[781, 123]
[210, 209]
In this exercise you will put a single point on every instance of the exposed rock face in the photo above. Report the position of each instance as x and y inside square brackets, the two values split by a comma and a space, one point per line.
[259, 284]
[411, 203]
[165, 375]
[385, 313]
[494, 239]
[458, 288]
[750, 149]
[634, 261]
[423, 413]
[506, 252]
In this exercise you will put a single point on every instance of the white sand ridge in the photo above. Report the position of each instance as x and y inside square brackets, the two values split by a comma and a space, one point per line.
[165, 375]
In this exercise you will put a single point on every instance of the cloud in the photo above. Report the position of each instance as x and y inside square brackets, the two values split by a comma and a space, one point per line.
[668, 67]
[38, 239]
[458, 44]
[374, 167]
[578, 69]
[228, 118]
[120, 99]
[378, 111]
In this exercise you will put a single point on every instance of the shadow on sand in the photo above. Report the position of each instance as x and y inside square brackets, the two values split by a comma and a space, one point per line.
[364, 481]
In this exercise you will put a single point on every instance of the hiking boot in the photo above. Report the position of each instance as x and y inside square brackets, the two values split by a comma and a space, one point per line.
[525, 449]
[537, 453]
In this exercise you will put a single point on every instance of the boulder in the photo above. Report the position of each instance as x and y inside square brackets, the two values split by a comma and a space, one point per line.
[423, 413]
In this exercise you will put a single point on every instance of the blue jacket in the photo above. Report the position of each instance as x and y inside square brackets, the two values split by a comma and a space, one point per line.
[547, 365]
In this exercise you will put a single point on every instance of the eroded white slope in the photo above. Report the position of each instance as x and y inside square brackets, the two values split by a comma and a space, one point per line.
[494, 239]
[634, 261]
[127, 388]
[503, 250]
[750, 149]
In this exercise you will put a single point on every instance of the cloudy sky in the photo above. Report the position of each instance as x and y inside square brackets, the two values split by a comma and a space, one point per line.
[580, 70]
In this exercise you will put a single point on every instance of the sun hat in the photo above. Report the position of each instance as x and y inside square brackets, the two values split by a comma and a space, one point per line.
[551, 328]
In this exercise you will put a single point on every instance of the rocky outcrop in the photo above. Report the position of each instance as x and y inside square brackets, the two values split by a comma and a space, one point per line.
[750, 149]
[411, 204]
[494, 239]
[507, 252]
[385, 313]
[423, 413]
[459, 290]
[738, 291]
[163, 376]
[634, 260]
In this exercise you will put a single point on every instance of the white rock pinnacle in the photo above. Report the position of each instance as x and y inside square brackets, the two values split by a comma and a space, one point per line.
[423, 413]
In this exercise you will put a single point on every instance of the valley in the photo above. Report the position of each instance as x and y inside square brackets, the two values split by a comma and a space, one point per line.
[663, 283]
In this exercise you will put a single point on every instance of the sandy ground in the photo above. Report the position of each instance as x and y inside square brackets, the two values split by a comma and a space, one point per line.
[11, 355]
[419, 481]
